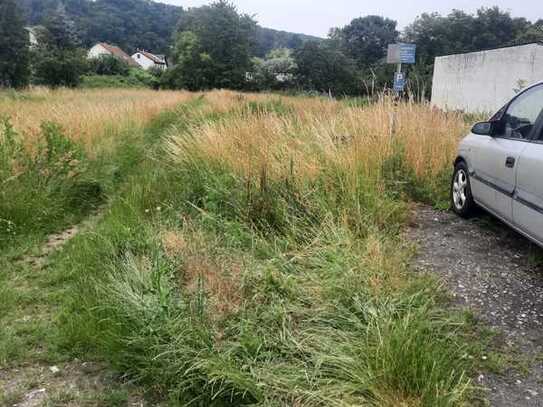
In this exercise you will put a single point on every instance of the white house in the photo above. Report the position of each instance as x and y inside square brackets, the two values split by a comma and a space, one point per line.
[32, 36]
[147, 60]
[103, 49]
[482, 82]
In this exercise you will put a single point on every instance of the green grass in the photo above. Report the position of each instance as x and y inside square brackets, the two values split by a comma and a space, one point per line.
[209, 289]
[136, 78]
[55, 184]
[111, 81]
[42, 199]
[325, 311]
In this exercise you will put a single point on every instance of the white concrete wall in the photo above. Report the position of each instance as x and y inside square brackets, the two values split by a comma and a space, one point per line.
[482, 82]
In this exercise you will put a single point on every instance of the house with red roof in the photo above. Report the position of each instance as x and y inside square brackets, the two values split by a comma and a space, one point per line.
[103, 49]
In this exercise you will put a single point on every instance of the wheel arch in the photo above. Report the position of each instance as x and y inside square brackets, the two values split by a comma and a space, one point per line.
[460, 159]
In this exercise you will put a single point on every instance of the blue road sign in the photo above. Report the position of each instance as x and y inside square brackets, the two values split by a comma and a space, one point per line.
[399, 82]
[408, 53]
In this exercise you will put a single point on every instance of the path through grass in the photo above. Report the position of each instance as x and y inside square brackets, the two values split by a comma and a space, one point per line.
[254, 256]
[50, 194]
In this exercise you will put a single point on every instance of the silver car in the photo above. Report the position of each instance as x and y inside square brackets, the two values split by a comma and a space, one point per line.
[500, 166]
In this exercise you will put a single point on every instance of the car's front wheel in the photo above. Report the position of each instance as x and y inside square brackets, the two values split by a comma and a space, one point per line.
[461, 197]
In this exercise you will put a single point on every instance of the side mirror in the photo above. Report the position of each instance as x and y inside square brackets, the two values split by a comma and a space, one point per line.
[483, 129]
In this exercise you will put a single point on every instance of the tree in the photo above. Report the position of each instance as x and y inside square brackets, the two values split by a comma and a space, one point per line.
[60, 31]
[143, 24]
[108, 65]
[267, 39]
[130, 24]
[221, 39]
[461, 32]
[277, 71]
[59, 61]
[533, 34]
[365, 39]
[324, 68]
[193, 68]
[14, 46]
[496, 28]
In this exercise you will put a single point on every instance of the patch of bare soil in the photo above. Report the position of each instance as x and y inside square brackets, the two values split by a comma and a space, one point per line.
[494, 272]
[55, 241]
[72, 384]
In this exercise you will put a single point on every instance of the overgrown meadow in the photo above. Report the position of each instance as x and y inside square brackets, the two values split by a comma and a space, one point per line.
[249, 251]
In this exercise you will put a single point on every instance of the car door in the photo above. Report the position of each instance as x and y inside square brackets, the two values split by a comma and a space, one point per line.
[528, 197]
[495, 160]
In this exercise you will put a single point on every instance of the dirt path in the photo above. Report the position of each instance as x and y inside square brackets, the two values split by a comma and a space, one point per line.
[72, 383]
[494, 272]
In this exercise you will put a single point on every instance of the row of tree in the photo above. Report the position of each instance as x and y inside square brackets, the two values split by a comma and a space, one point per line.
[57, 59]
[129, 24]
[132, 24]
[214, 47]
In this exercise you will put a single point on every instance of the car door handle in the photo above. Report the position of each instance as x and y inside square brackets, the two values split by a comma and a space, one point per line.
[510, 162]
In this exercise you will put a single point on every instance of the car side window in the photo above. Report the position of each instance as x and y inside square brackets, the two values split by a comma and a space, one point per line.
[521, 115]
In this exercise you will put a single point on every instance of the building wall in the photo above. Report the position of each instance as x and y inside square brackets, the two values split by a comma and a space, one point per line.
[145, 62]
[97, 51]
[32, 39]
[482, 82]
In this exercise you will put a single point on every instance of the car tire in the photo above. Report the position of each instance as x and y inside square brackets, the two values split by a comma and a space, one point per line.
[461, 198]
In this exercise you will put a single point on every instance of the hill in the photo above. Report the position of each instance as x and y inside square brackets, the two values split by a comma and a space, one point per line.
[129, 24]
[133, 24]
[268, 39]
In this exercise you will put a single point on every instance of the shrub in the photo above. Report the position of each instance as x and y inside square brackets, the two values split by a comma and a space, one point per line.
[48, 182]
[107, 81]
[108, 65]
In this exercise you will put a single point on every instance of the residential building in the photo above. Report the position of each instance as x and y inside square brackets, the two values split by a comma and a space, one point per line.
[103, 49]
[148, 60]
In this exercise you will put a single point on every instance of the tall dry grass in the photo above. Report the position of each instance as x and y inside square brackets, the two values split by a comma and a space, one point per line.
[85, 115]
[266, 263]
[63, 151]
[306, 135]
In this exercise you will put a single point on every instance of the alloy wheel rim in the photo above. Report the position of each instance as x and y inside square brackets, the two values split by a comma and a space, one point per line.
[460, 185]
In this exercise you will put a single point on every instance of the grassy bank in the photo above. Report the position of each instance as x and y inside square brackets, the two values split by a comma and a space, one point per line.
[89, 117]
[63, 152]
[52, 178]
[256, 257]
[250, 252]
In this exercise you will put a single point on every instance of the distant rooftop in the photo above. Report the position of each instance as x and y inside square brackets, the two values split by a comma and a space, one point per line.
[119, 53]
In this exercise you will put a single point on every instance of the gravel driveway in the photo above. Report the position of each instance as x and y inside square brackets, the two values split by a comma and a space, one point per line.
[497, 274]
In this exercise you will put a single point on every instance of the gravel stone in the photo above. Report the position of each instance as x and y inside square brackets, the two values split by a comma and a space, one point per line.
[491, 270]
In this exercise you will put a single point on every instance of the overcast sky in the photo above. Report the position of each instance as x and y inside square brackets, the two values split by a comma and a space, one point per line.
[317, 16]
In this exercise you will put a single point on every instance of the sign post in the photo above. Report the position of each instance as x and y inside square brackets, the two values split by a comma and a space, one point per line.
[399, 54]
